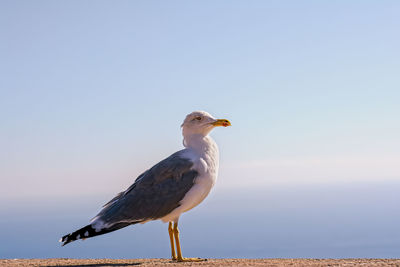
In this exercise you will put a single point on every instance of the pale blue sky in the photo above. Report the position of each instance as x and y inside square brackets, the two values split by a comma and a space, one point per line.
[98, 89]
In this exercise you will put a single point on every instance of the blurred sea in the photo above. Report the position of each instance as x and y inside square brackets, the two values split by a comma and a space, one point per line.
[351, 220]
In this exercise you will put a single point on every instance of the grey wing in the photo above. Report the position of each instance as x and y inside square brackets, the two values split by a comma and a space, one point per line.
[154, 194]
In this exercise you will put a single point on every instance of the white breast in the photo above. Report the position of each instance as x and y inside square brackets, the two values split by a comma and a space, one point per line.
[206, 164]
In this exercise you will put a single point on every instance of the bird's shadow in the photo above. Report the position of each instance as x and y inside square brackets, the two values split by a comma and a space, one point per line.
[98, 264]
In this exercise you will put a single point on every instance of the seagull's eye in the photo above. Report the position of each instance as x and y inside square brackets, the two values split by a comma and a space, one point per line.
[197, 118]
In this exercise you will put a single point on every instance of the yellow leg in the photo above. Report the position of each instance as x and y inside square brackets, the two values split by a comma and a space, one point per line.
[178, 246]
[171, 239]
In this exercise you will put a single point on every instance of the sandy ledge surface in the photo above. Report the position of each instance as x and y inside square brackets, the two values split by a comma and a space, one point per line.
[209, 262]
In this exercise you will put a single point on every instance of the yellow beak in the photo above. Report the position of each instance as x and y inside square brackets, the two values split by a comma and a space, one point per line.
[222, 122]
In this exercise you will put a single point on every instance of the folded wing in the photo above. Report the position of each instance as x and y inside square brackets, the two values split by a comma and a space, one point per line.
[154, 194]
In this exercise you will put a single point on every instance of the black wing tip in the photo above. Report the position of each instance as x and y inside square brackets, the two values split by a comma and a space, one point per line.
[83, 233]
[88, 231]
[65, 240]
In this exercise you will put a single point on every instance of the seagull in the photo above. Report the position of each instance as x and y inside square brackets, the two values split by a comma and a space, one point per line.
[165, 191]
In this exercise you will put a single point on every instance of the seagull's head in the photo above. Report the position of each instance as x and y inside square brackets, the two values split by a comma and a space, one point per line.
[201, 123]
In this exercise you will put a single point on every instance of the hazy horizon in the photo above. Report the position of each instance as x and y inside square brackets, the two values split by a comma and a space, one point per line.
[326, 221]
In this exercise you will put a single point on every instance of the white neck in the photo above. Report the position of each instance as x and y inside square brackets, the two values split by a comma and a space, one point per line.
[197, 141]
[201, 144]
[205, 148]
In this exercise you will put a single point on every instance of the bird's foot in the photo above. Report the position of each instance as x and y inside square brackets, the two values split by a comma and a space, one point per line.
[188, 259]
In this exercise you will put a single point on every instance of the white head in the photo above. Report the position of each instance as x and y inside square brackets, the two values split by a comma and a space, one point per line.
[201, 123]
